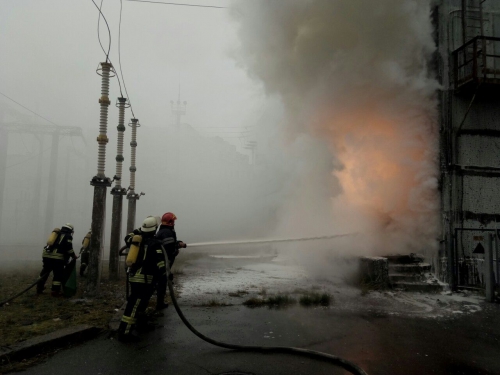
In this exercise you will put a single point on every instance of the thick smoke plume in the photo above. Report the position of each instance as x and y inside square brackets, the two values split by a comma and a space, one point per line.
[353, 74]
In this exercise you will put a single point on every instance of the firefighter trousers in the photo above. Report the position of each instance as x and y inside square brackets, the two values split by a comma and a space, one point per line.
[161, 291]
[84, 257]
[140, 294]
[51, 265]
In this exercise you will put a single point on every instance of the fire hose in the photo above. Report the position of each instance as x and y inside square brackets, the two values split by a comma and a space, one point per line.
[21, 292]
[25, 290]
[337, 361]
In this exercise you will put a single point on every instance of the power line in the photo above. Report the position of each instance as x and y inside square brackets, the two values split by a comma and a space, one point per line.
[120, 59]
[98, 31]
[186, 5]
[26, 108]
[109, 45]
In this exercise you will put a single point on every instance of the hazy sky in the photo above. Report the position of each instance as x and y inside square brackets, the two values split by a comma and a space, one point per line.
[50, 51]
[358, 115]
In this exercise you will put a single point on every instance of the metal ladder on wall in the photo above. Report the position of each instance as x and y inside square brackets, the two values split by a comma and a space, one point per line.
[473, 25]
[472, 19]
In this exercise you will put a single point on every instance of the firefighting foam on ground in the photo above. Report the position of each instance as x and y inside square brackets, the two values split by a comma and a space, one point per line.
[359, 82]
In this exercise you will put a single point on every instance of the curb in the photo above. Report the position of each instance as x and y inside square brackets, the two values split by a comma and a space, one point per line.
[49, 342]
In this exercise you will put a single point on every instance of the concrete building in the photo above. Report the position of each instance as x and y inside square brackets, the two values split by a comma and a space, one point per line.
[468, 66]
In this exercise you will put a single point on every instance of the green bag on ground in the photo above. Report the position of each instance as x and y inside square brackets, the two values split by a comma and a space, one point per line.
[69, 280]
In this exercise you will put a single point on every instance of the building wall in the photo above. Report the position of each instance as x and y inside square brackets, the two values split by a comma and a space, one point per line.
[470, 150]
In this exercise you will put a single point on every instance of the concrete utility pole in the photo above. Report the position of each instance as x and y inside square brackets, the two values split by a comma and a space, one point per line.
[100, 183]
[132, 196]
[118, 192]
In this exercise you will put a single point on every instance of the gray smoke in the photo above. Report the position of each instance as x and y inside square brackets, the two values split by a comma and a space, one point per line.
[354, 80]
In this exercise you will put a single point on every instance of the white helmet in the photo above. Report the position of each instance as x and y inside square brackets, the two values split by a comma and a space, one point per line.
[69, 226]
[149, 224]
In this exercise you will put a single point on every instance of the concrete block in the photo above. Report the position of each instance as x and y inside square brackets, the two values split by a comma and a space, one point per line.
[374, 271]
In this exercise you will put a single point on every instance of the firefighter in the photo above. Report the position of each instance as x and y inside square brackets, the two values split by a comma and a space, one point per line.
[55, 256]
[84, 253]
[147, 266]
[168, 238]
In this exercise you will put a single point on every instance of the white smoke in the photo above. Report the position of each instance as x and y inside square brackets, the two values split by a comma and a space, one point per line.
[353, 75]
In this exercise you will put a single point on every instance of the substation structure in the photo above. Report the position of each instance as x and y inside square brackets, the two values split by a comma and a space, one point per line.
[467, 33]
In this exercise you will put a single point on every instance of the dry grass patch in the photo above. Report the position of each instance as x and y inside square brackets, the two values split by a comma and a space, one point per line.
[238, 293]
[276, 301]
[316, 299]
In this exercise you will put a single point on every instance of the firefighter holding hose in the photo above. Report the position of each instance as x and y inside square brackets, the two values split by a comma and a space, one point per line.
[168, 238]
[146, 267]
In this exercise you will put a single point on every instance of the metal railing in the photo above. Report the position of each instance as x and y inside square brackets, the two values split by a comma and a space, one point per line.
[477, 61]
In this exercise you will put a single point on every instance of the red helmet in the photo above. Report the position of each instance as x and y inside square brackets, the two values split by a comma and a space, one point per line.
[168, 219]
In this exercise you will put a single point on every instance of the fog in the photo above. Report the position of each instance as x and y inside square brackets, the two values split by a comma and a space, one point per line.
[336, 95]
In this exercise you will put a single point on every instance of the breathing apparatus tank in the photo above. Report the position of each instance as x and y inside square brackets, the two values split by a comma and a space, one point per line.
[53, 237]
[134, 250]
[86, 241]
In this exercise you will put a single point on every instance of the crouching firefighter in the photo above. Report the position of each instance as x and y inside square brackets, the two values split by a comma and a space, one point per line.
[146, 267]
[168, 239]
[55, 255]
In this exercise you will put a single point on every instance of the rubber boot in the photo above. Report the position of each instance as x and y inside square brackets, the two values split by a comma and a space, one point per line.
[161, 305]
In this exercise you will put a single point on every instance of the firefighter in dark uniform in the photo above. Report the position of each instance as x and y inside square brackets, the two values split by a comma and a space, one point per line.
[143, 276]
[55, 257]
[168, 239]
[84, 253]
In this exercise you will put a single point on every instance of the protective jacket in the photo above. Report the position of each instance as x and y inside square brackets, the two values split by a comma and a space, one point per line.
[62, 248]
[54, 258]
[150, 264]
[168, 239]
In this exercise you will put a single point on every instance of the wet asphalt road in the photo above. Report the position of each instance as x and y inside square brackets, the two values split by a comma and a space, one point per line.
[376, 339]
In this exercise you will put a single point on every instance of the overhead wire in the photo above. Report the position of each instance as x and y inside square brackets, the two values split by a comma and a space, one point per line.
[180, 4]
[120, 59]
[36, 114]
[29, 110]
[109, 45]
[98, 30]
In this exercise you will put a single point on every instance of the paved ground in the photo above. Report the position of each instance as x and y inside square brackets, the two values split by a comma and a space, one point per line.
[385, 333]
